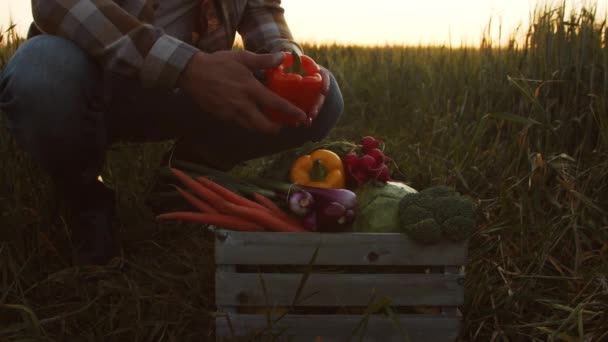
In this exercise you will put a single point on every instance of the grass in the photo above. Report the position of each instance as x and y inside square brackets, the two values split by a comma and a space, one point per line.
[521, 128]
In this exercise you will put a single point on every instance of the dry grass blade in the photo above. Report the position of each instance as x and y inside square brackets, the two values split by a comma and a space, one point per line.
[28, 315]
[298, 298]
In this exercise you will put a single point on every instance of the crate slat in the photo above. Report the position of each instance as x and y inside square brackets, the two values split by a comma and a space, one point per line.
[243, 248]
[340, 327]
[245, 289]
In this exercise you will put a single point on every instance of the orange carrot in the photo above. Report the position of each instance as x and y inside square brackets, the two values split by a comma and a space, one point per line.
[221, 220]
[206, 194]
[196, 202]
[228, 195]
[265, 201]
[262, 217]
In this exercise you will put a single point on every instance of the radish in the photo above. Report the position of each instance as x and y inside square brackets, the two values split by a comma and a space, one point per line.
[366, 162]
[381, 173]
[368, 143]
[360, 176]
[378, 156]
[350, 160]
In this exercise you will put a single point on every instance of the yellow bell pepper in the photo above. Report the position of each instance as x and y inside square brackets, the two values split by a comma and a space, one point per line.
[320, 169]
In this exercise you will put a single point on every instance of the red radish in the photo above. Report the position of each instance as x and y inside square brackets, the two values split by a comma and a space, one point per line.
[350, 160]
[366, 162]
[381, 173]
[378, 156]
[360, 176]
[369, 143]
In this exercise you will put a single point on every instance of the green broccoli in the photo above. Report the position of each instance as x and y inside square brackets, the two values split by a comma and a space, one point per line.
[425, 231]
[437, 212]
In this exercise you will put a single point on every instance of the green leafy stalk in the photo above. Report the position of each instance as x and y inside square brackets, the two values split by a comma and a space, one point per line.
[224, 178]
[318, 172]
[296, 65]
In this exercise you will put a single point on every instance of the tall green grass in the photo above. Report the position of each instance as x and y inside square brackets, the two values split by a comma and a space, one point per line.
[522, 128]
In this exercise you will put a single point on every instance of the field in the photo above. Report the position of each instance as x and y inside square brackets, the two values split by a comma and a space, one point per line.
[522, 129]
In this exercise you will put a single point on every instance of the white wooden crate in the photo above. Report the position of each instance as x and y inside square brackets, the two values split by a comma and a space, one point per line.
[261, 270]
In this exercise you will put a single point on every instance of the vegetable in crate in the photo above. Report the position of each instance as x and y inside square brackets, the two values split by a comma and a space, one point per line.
[321, 169]
[435, 213]
[378, 206]
[298, 79]
[333, 210]
[279, 165]
[370, 166]
[301, 202]
[220, 206]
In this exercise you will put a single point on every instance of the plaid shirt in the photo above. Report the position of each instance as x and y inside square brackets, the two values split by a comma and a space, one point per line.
[119, 34]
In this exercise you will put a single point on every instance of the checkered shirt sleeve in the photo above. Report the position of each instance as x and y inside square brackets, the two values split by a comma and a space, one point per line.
[116, 39]
[264, 29]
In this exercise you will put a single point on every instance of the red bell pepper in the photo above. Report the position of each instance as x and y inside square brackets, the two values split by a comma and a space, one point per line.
[298, 80]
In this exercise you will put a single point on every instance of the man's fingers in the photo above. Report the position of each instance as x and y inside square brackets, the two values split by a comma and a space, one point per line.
[259, 122]
[270, 100]
[255, 61]
[254, 119]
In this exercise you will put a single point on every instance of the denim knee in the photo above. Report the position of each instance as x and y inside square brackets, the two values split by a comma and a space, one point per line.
[48, 91]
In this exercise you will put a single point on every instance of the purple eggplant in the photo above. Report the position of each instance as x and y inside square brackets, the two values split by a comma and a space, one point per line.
[334, 217]
[323, 196]
[349, 216]
[310, 221]
[334, 209]
[332, 213]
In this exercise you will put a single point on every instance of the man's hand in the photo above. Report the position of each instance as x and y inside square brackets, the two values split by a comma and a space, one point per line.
[321, 99]
[222, 84]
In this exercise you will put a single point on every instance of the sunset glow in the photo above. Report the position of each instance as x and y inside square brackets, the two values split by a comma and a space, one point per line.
[380, 21]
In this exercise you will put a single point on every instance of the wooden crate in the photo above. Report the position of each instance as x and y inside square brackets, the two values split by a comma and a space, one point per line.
[257, 270]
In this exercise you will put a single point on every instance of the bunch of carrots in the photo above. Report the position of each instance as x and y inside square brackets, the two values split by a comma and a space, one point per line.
[224, 208]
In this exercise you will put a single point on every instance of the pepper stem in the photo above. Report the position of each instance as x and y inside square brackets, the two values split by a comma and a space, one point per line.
[318, 172]
[296, 65]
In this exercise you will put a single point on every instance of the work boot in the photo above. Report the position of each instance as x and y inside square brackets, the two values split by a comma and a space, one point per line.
[92, 211]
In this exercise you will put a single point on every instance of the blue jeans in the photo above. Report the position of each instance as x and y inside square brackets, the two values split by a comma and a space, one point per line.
[65, 112]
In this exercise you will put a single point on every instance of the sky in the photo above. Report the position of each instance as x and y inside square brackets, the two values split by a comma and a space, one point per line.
[366, 22]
